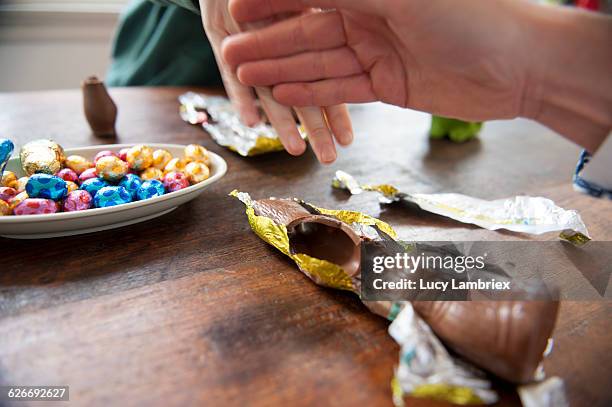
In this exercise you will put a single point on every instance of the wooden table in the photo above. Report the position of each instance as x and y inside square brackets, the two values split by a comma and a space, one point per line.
[192, 308]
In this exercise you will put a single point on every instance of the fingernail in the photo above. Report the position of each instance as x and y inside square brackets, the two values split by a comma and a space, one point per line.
[328, 156]
[296, 146]
[348, 138]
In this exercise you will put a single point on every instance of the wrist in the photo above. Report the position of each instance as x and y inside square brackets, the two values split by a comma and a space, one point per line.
[568, 86]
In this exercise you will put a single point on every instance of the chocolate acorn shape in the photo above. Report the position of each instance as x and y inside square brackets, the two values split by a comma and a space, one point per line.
[507, 338]
[99, 108]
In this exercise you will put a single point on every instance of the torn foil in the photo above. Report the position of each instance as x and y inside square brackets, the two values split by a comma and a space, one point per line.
[218, 118]
[525, 214]
[426, 369]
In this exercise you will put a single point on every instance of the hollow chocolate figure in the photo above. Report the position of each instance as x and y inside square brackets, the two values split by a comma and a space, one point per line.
[99, 108]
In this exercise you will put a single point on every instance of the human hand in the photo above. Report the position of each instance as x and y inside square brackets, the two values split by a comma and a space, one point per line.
[431, 55]
[320, 123]
[473, 61]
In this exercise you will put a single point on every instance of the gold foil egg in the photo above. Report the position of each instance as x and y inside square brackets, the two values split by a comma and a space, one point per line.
[71, 186]
[21, 184]
[196, 171]
[161, 158]
[111, 168]
[152, 173]
[78, 163]
[140, 157]
[44, 156]
[9, 179]
[176, 164]
[17, 199]
[195, 152]
[5, 208]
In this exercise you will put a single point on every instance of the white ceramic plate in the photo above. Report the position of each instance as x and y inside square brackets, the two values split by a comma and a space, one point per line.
[93, 220]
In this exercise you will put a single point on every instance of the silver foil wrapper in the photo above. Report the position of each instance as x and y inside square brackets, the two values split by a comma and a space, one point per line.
[220, 120]
[524, 214]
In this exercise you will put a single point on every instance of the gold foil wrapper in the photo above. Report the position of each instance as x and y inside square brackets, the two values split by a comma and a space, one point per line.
[218, 118]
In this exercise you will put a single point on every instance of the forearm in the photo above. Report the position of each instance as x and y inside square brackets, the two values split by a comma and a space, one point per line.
[569, 87]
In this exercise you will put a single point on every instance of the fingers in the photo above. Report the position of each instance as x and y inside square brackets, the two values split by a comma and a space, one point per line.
[282, 120]
[242, 96]
[305, 67]
[339, 121]
[309, 32]
[319, 135]
[253, 10]
[329, 92]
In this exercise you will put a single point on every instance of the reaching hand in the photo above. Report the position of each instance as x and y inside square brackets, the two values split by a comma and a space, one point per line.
[320, 123]
[432, 55]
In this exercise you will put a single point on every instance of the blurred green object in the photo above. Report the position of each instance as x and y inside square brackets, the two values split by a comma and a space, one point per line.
[457, 131]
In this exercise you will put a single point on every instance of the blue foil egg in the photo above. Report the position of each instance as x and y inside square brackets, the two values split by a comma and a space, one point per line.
[93, 185]
[150, 189]
[6, 149]
[131, 182]
[46, 186]
[111, 196]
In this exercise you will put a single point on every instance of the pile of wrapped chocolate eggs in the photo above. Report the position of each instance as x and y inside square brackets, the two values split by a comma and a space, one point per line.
[56, 183]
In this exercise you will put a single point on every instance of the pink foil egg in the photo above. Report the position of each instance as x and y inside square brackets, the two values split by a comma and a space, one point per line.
[35, 206]
[104, 153]
[123, 153]
[68, 175]
[174, 181]
[78, 200]
[88, 174]
[7, 193]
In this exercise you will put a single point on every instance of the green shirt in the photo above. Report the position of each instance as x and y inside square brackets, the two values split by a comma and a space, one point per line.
[162, 42]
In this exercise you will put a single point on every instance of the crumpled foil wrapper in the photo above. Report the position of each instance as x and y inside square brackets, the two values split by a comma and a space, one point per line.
[426, 369]
[525, 214]
[44, 156]
[218, 118]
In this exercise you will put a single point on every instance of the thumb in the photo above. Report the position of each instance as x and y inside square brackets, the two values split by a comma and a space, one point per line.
[244, 11]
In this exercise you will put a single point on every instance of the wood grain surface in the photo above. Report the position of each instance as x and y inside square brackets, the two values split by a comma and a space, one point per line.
[193, 309]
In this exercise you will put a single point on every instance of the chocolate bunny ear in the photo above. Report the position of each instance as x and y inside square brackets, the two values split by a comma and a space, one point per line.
[507, 338]
[100, 110]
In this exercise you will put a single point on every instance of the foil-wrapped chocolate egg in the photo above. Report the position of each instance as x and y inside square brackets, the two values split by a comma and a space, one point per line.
[78, 163]
[111, 168]
[20, 186]
[88, 174]
[68, 175]
[78, 200]
[111, 196]
[7, 193]
[35, 206]
[152, 173]
[195, 152]
[43, 156]
[175, 181]
[123, 153]
[131, 183]
[140, 157]
[19, 198]
[5, 208]
[72, 186]
[197, 171]
[8, 179]
[150, 189]
[46, 186]
[93, 185]
[104, 153]
[161, 158]
[176, 164]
